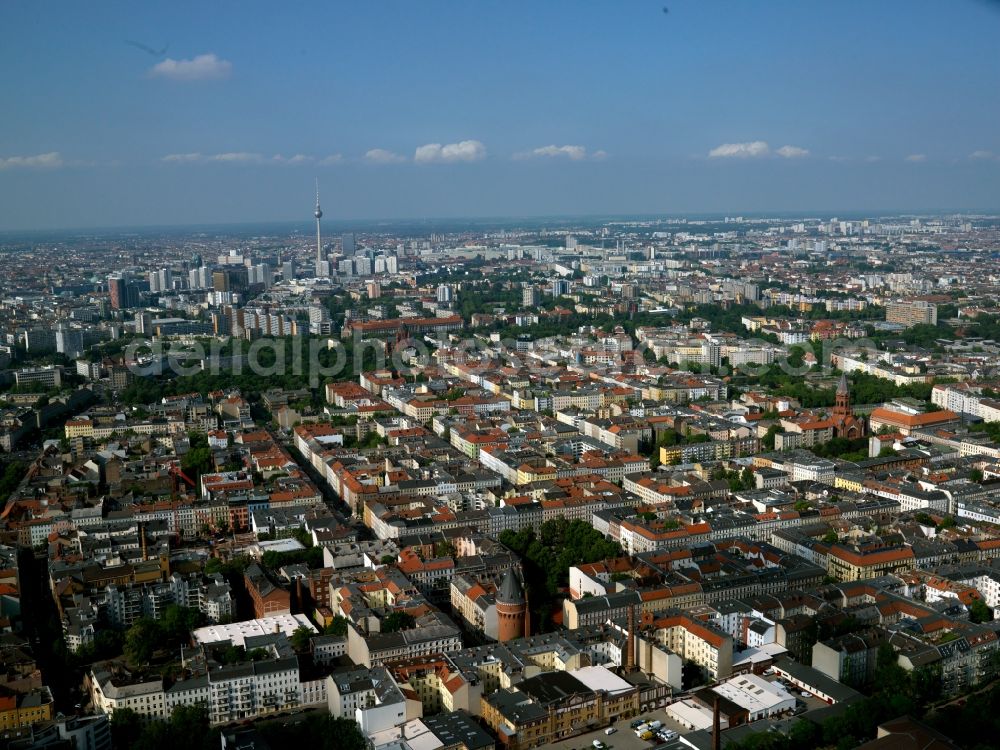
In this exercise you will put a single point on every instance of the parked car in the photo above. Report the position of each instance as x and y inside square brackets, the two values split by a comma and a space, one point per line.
[598, 744]
[610, 730]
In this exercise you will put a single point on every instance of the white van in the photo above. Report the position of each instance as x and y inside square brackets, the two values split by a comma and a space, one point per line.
[610, 730]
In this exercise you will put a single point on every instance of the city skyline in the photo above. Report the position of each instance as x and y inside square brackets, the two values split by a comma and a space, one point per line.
[637, 372]
[445, 111]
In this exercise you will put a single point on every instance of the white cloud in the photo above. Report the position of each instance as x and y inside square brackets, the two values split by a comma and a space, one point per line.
[461, 151]
[381, 156]
[599, 155]
[47, 160]
[200, 68]
[748, 150]
[576, 153]
[792, 152]
[329, 161]
[238, 157]
[984, 155]
[182, 158]
[916, 157]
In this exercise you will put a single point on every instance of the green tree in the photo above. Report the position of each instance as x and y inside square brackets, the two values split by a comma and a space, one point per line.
[197, 461]
[548, 556]
[10, 477]
[177, 622]
[338, 627]
[126, 727]
[141, 640]
[188, 726]
[397, 621]
[979, 611]
[300, 638]
[768, 440]
[317, 731]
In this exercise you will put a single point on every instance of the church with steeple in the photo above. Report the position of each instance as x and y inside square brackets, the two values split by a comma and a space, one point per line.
[845, 424]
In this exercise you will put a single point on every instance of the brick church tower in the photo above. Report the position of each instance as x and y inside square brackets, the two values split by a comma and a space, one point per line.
[845, 424]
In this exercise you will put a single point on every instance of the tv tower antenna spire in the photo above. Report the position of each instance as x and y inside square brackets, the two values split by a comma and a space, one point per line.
[320, 261]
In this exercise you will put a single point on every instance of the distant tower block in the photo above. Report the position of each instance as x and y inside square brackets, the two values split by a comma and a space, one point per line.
[512, 608]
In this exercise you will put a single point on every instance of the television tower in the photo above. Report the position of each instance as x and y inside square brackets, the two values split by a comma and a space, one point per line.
[321, 263]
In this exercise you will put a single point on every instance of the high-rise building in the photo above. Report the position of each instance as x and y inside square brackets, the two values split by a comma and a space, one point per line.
[391, 264]
[531, 297]
[123, 292]
[261, 274]
[221, 322]
[560, 287]
[161, 280]
[319, 320]
[230, 280]
[199, 278]
[445, 294]
[39, 340]
[911, 312]
[362, 265]
[70, 341]
[347, 244]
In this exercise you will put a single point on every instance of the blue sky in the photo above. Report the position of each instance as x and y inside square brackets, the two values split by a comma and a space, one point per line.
[444, 109]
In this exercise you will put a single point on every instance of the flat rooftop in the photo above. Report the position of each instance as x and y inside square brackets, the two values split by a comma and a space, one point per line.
[238, 632]
[752, 693]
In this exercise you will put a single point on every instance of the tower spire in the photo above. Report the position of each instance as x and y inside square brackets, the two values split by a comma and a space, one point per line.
[321, 269]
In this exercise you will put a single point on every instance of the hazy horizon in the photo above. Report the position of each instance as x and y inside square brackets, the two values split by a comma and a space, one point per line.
[549, 222]
[122, 115]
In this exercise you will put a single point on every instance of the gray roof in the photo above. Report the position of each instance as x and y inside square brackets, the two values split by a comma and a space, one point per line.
[812, 677]
[510, 591]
